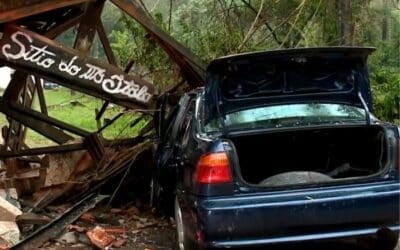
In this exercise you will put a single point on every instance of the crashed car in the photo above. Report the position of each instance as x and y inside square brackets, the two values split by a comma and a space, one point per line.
[279, 147]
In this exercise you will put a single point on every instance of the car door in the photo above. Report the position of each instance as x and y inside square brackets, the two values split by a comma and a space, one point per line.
[168, 133]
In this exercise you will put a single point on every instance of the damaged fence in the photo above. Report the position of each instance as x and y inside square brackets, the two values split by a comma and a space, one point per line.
[33, 179]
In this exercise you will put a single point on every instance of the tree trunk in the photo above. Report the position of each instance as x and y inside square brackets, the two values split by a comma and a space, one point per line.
[385, 20]
[345, 23]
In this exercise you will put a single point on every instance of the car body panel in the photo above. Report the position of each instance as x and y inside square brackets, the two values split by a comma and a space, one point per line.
[304, 75]
[238, 214]
[298, 215]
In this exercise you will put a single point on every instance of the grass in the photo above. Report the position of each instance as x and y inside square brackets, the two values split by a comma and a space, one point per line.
[79, 110]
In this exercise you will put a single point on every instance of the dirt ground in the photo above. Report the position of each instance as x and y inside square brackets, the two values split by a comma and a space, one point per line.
[136, 229]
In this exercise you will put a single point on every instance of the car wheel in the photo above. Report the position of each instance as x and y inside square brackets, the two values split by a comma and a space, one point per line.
[154, 192]
[183, 242]
[180, 230]
[387, 240]
[383, 240]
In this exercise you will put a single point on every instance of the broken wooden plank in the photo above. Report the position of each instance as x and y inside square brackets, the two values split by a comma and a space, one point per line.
[191, 64]
[40, 92]
[49, 120]
[66, 148]
[106, 44]
[11, 10]
[27, 50]
[32, 218]
[54, 228]
[56, 31]
[41, 127]
[87, 27]
[95, 147]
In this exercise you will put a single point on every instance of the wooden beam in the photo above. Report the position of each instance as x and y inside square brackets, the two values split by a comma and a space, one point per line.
[106, 44]
[41, 127]
[17, 9]
[48, 120]
[193, 65]
[40, 92]
[66, 148]
[87, 27]
[56, 31]
[74, 70]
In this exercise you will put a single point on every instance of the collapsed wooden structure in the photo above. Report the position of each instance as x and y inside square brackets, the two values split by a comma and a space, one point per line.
[27, 31]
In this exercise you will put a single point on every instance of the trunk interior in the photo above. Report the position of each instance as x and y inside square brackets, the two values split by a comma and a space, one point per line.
[311, 156]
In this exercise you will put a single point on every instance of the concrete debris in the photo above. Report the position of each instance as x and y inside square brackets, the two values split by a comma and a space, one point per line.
[77, 228]
[100, 238]
[119, 243]
[10, 192]
[9, 231]
[60, 166]
[5, 245]
[8, 212]
[68, 238]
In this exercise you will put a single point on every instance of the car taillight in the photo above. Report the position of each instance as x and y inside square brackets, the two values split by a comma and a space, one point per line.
[213, 168]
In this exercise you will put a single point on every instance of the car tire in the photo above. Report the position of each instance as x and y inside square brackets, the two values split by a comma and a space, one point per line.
[182, 241]
[387, 240]
[383, 240]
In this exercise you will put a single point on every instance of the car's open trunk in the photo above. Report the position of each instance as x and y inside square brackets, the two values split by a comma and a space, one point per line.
[311, 156]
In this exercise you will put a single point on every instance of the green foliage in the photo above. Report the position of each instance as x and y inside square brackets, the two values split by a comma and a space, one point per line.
[79, 110]
[386, 89]
[214, 28]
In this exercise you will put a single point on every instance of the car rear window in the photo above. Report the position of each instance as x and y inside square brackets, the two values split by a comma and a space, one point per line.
[287, 116]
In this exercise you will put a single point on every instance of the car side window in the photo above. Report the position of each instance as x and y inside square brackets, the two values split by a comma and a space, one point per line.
[186, 125]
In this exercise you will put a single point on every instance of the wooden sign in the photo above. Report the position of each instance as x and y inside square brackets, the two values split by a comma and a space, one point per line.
[36, 54]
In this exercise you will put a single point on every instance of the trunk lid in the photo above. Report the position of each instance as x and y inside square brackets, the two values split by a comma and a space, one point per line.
[307, 75]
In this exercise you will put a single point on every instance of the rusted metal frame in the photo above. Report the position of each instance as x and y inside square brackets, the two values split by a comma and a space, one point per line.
[41, 127]
[197, 72]
[40, 92]
[26, 10]
[54, 228]
[49, 120]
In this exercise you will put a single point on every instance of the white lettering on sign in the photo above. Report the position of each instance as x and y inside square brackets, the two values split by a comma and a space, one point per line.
[116, 84]
[93, 73]
[42, 57]
[69, 67]
[39, 56]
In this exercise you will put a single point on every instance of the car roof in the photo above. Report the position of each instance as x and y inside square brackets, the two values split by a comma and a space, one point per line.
[311, 51]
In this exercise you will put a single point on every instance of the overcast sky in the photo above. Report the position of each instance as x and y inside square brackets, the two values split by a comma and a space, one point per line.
[5, 73]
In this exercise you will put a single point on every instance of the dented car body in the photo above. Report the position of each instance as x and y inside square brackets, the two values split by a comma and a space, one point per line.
[278, 147]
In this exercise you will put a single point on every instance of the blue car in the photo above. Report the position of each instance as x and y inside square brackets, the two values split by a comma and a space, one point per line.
[278, 147]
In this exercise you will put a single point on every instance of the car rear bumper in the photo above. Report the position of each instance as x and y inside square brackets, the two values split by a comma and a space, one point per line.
[299, 238]
[301, 215]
